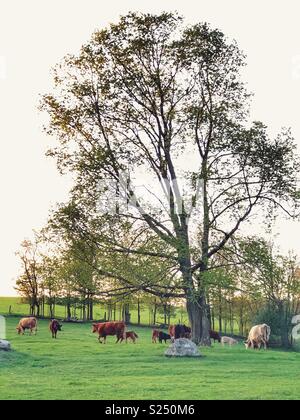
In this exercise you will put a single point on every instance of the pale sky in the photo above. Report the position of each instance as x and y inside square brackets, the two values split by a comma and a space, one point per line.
[35, 35]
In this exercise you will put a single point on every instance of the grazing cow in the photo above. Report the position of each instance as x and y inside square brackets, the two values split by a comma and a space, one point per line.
[214, 336]
[228, 340]
[254, 345]
[163, 337]
[179, 331]
[259, 335]
[110, 328]
[155, 335]
[27, 324]
[54, 327]
[131, 335]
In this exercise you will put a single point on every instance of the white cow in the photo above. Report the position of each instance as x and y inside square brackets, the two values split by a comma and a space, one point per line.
[259, 335]
[228, 340]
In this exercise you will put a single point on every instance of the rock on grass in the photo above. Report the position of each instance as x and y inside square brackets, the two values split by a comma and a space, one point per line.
[5, 345]
[182, 347]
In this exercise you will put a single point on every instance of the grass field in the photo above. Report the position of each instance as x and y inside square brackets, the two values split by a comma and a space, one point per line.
[75, 366]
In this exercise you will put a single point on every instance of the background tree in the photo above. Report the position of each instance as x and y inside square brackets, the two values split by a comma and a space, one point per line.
[146, 94]
[28, 285]
[275, 280]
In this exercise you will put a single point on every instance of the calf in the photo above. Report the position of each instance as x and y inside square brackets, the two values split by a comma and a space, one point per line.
[163, 337]
[54, 327]
[155, 335]
[131, 335]
[228, 340]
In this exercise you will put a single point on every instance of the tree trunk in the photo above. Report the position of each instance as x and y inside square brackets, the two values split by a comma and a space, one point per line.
[91, 309]
[69, 315]
[165, 314]
[197, 313]
[139, 312]
[213, 318]
[84, 310]
[220, 312]
[284, 330]
[51, 309]
[154, 312]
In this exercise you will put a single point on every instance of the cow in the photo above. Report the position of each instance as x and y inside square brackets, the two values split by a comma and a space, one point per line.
[131, 335]
[254, 345]
[163, 337]
[179, 331]
[155, 335]
[259, 335]
[110, 328]
[27, 324]
[54, 327]
[228, 340]
[214, 336]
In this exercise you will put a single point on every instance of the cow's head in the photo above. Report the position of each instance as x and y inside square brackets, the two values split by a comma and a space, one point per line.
[247, 344]
[59, 327]
[19, 329]
[94, 328]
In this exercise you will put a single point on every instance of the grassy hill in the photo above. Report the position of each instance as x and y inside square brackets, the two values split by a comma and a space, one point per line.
[76, 366]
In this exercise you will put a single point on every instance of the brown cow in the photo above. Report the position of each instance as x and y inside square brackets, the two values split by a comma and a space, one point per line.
[179, 331]
[110, 328]
[54, 327]
[155, 335]
[27, 324]
[131, 335]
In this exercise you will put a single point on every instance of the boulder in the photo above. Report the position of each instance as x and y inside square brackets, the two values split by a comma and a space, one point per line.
[182, 347]
[5, 345]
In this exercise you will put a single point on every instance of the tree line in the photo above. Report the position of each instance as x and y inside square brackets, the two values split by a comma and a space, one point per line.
[260, 286]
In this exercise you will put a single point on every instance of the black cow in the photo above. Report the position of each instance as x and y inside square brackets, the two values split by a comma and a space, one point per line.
[182, 331]
[163, 337]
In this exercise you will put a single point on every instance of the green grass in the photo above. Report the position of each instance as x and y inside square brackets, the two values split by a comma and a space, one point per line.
[76, 366]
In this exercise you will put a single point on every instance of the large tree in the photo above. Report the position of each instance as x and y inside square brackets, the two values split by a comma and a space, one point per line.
[29, 283]
[165, 102]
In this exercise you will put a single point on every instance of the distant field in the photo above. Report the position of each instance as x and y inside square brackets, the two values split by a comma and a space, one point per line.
[77, 367]
[18, 308]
